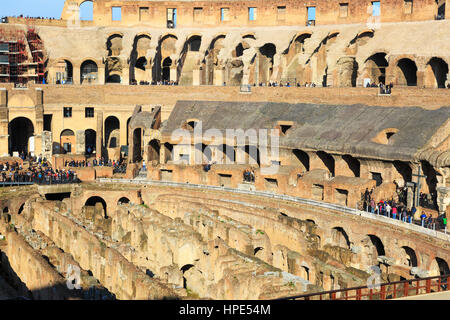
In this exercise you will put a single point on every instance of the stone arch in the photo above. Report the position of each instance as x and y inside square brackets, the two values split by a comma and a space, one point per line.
[408, 257]
[138, 135]
[353, 164]
[154, 150]
[375, 68]
[327, 160]
[405, 170]
[86, 10]
[340, 238]
[88, 72]
[139, 64]
[301, 158]
[183, 269]
[212, 73]
[190, 60]
[123, 200]
[406, 72]
[21, 208]
[378, 245]
[266, 55]
[67, 140]
[112, 132]
[164, 53]
[114, 44]
[90, 141]
[436, 73]
[438, 267]
[20, 131]
[63, 71]
[93, 200]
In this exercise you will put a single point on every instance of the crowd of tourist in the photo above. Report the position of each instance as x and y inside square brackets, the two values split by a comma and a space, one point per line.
[399, 211]
[39, 171]
[155, 83]
[118, 166]
[285, 84]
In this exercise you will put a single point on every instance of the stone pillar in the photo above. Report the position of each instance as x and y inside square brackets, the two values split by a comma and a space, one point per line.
[39, 128]
[99, 136]
[101, 75]
[173, 73]
[218, 76]
[125, 72]
[80, 142]
[76, 74]
[4, 136]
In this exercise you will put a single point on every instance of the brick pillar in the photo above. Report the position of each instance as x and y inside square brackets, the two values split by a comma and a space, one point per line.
[99, 136]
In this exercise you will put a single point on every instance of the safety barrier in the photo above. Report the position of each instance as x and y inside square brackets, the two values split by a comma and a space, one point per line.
[384, 291]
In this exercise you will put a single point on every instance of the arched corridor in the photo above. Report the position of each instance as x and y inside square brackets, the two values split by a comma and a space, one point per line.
[20, 131]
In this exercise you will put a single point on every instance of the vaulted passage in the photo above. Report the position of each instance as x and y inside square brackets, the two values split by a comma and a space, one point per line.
[406, 72]
[20, 131]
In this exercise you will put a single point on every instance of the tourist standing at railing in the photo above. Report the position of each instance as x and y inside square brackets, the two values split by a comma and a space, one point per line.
[423, 216]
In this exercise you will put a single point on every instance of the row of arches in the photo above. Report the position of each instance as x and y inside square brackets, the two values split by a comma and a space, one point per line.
[376, 248]
[251, 63]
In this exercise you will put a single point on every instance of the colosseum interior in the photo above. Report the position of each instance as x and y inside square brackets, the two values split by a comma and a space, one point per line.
[168, 212]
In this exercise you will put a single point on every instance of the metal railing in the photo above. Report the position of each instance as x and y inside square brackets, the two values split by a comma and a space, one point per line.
[315, 203]
[384, 291]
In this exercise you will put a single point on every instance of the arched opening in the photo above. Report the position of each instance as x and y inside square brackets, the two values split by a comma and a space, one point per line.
[90, 141]
[439, 267]
[353, 164]
[258, 252]
[88, 72]
[168, 152]
[376, 242]
[340, 238]
[300, 42]
[63, 72]
[21, 208]
[267, 52]
[139, 65]
[123, 200]
[327, 160]
[407, 72]
[114, 45]
[375, 67]
[87, 11]
[301, 159]
[154, 150]
[112, 132]
[67, 140]
[166, 69]
[6, 215]
[404, 169]
[21, 131]
[137, 145]
[115, 78]
[96, 201]
[436, 74]
[184, 269]
[194, 43]
[251, 155]
[409, 257]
